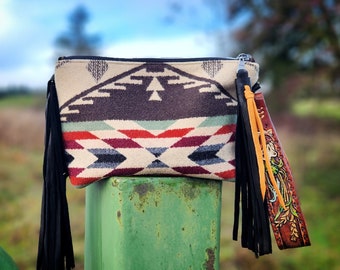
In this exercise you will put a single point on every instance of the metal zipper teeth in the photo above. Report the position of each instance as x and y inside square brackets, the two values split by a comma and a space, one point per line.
[147, 59]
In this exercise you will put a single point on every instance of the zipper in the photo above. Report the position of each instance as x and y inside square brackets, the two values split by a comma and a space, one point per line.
[243, 56]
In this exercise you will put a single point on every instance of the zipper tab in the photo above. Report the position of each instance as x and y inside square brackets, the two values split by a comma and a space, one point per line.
[243, 57]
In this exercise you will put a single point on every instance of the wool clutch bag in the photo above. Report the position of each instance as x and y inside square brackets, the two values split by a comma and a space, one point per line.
[148, 117]
[193, 117]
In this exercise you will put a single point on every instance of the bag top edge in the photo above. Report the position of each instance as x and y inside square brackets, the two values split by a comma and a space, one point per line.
[118, 59]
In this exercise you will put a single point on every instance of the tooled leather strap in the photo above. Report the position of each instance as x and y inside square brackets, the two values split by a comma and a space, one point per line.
[288, 225]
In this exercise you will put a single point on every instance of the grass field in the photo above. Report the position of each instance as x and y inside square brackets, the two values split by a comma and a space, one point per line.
[312, 145]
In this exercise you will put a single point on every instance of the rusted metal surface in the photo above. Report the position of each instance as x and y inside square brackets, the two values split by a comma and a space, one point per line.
[153, 223]
[210, 262]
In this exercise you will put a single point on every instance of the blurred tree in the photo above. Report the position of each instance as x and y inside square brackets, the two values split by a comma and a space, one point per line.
[76, 41]
[291, 37]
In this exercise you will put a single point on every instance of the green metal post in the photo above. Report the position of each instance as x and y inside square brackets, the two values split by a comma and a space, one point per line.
[144, 223]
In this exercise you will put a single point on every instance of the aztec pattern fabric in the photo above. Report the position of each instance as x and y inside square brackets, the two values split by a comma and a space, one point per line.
[148, 117]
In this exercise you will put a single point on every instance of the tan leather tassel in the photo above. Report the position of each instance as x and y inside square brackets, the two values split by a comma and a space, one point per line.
[288, 224]
[258, 134]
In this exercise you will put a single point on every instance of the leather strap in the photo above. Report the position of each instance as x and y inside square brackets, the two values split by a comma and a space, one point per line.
[288, 225]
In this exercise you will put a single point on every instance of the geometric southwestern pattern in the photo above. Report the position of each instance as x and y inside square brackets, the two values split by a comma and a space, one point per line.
[199, 147]
[150, 117]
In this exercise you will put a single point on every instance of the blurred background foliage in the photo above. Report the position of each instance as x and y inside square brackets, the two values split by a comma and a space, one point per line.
[297, 44]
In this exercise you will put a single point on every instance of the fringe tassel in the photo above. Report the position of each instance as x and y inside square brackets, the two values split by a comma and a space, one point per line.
[260, 145]
[255, 233]
[55, 240]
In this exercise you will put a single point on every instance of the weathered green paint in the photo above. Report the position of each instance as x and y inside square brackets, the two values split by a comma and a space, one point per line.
[153, 223]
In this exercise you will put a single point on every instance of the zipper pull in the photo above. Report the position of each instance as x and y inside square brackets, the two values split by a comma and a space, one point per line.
[243, 57]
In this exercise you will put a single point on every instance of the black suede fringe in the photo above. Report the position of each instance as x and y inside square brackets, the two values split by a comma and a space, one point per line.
[255, 233]
[55, 249]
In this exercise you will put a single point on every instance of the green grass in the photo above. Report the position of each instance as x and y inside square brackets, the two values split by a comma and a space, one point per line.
[22, 101]
[20, 199]
[320, 108]
[315, 158]
[20, 187]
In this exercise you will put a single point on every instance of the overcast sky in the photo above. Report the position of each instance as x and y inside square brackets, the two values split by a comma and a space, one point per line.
[128, 28]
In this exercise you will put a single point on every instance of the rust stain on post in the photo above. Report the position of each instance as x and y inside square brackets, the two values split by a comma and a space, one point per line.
[209, 263]
[143, 189]
[119, 217]
[145, 192]
[190, 191]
